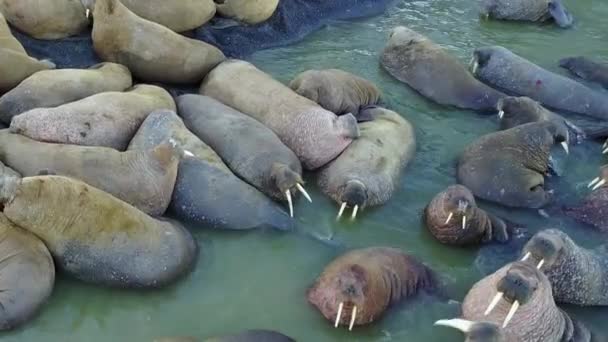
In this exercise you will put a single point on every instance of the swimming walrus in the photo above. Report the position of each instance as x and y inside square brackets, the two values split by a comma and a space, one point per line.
[251, 150]
[357, 287]
[144, 179]
[367, 173]
[527, 10]
[314, 134]
[587, 69]
[417, 61]
[509, 167]
[453, 218]
[46, 19]
[178, 16]
[52, 88]
[96, 237]
[107, 119]
[247, 11]
[151, 51]
[206, 192]
[504, 70]
[336, 90]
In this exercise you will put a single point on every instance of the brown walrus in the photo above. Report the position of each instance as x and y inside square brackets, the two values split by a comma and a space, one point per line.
[144, 179]
[454, 219]
[107, 119]
[179, 16]
[248, 11]
[357, 287]
[593, 210]
[151, 51]
[96, 237]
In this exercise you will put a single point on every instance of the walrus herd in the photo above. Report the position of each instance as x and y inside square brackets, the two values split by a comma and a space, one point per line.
[103, 170]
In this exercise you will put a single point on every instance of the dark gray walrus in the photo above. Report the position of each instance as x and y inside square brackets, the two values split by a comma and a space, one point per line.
[251, 150]
[587, 69]
[245, 336]
[527, 10]
[206, 191]
[414, 59]
[509, 167]
[367, 173]
[504, 70]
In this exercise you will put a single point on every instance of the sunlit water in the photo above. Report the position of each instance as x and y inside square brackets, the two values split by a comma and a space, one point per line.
[259, 279]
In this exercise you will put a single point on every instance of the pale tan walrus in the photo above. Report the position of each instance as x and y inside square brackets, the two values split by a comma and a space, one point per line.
[247, 11]
[179, 16]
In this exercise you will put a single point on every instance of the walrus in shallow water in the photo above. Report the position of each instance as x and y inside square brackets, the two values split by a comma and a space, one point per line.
[527, 10]
[107, 119]
[179, 16]
[245, 336]
[415, 60]
[594, 208]
[314, 134]
[247, 11]
[251, 150]
[357, 287]
[52, 88]
[96, 237]
[151, 51]
[367, 173]
[336, 90]
[587, 69]
[454, 219]
[509, 167]
[502, 69]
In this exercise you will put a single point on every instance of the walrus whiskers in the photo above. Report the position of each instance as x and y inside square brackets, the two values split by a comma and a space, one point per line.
[493, 303]
[340, 307]
[288, 195]
[303, 191]
[352, 318]
[511, 313]
[449, 218]
[342, 207]
[354, 215]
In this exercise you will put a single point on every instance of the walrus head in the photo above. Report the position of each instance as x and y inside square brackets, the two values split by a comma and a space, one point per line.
[288, 182]
[402, 35]
[602, 179]
[560, 14]
[480, 59]
[354, 195]
[545, 248]
[475, 331]
[523, 109]
[99, 6]
[459, 203]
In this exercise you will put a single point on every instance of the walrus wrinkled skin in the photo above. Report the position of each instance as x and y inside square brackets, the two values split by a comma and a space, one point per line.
[336, 90]
[454, 219]
[508, 167]
[314, 134]
[367, 173]
[412, 58]
[504, 70]
[52, 88]
[107, 119]
[178, 16]
[144, 179]
[151, 51]
[206, 191]
[527, 10]
[367, 282]
[578, 276]
[587, 69]
[96, 237]
[593, 210]
[27, 276]
[251, 150]
[46, 19]
[247, 11]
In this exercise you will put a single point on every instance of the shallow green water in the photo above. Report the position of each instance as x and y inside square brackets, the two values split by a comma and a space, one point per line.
[259, 279]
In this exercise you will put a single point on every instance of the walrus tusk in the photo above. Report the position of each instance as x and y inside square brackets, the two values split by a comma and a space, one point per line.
[599, 185]
[605, 144]
[457, 323]
[605, 151]
[595, 180]
[340, 307]
[87, 13]
[303, 191]
[342, 207]
[353, 317]
[464, 222]
[501, 114]
[288, 195]
[565, 146]
[540, 264]
[354, 215]
[449, 218]
[526, 256]
[511, 313]
[495, 301]
[188, 153]
[475, 66]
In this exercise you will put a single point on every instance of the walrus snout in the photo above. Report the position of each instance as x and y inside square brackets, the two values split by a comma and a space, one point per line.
[544, 248]
[354, 194]
[519, 283]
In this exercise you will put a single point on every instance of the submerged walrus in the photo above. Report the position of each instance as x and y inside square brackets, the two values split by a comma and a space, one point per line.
[107, 119]
[509, 167]
[357, 287]
[454, 218]
[587, 69]
[151, 51]
[415, 60]
[245, 336]
[96, 237]
[251, 150]
[52, 88]
[502, 69]
[314, 134]
[367, 173]
[248, 11]
[527, 10]
[179, 16]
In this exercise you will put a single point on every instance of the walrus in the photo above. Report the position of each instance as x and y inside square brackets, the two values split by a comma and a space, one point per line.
[412, 58]
[144, 179]
[52, 88]
[508, 167]
[245, 336]
[28, 275]
[504, 70]
[206, 192]
[178, 16]
[587, 69]
[526, 10]
[367, 173]
[357, 287]
[107, 119]
[594, 207]
[151, 51]
[336, 90]
[314, 134]
[251, 150]
[247, 11]
[46, 19]
[453, 218]
[96, 237]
